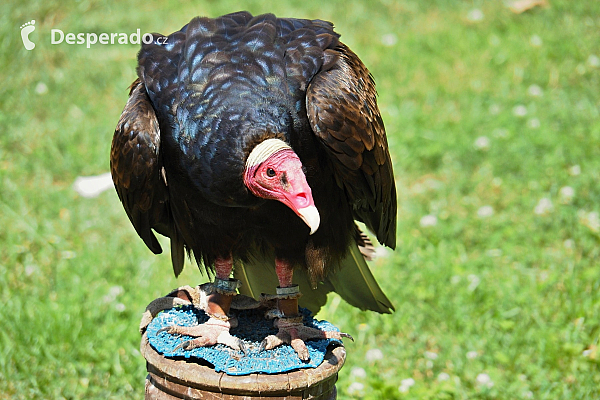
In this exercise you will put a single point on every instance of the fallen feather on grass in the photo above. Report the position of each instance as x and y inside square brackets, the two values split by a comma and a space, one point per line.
[520, 6]
[92, 186]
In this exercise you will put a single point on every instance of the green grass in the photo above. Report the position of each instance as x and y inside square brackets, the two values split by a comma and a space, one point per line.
[513, 295]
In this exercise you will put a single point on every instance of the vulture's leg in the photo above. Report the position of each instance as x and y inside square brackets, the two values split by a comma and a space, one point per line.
[290, 324]
[216, 329]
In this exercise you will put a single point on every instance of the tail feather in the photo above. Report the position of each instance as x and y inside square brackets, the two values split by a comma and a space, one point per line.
[177, 252]
[353, 281]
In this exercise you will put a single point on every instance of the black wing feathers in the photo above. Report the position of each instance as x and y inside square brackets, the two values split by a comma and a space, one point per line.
[135, 166]
[342, 109]
[138, 175]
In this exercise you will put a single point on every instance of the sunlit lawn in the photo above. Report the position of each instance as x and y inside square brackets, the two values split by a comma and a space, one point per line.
[493, 123]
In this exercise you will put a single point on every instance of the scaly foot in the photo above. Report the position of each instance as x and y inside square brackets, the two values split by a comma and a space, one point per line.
[211, 332]
[293, 332]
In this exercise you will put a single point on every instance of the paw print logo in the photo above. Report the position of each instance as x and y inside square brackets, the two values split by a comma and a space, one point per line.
[26, 29]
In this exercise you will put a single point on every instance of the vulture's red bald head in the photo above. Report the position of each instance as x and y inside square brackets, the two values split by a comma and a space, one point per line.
[274, 171]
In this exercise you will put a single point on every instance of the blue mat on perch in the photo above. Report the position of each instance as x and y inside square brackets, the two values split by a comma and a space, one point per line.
[252, 329]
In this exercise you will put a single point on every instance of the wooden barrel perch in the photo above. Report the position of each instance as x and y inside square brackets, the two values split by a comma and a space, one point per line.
[170, 379]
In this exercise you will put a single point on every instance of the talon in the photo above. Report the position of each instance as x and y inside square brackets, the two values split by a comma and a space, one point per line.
[346, 335]
[263, 345]
[272, 341]
[166, 329]
[243, 347]
[183, 345]
[225, 338]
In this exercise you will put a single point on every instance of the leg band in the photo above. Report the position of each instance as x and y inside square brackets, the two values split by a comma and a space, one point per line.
[226, 286]
[290, 292]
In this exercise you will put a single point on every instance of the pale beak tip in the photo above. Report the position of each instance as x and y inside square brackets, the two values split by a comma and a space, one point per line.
[310, 215]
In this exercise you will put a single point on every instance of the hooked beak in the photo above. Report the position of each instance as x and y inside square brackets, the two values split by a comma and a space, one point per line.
[310, 215]
[299, 198]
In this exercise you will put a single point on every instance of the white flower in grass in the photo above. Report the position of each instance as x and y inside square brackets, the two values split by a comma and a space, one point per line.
[493, 253]
[535, 41]
[373, 355]
[41, 88]
[472, 354]
[591, 220]
[120, 307]
[587, 352]
[356, 388]
[533, 123]
[494, 109]
[75, 112]
[500, 133]
[358, 372]
[484, 380]
[443, 376]
[474, 281]
[431, 355]
[482, 143]
[594, 221]
[67, 254]
[31, 269]
[406, 384]
[544, 206]
[593, 61]
[389, 39]
[428, 221]
[535, 91]
[566, 194]
[485, 212]
[113, 293]
[575, 170]
[519, 110]
[475, 15]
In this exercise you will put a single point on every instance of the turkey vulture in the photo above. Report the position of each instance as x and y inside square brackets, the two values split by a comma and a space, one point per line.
[256, 142]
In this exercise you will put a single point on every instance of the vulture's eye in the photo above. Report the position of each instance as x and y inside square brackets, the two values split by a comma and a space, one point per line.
[270, 172]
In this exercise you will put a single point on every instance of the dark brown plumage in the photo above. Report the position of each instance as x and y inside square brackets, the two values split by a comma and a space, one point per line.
[342, 108]
[205, 99]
